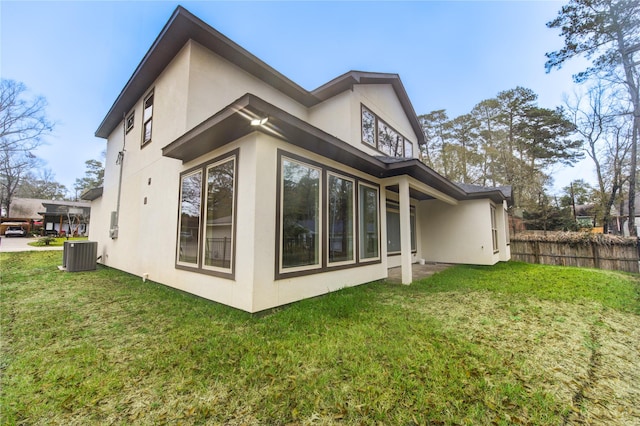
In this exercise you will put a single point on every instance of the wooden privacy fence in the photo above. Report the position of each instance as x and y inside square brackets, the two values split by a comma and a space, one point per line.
[577, 249]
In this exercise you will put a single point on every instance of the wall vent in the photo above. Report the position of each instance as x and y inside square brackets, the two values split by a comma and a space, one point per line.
[79, 256]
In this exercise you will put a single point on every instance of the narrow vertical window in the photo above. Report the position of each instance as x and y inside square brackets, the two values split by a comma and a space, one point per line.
[494, 229]
[300, 215]
[340, 219]
[218, 238]
[190, 201]
[147, 119]
[130, 122]
[369, 227]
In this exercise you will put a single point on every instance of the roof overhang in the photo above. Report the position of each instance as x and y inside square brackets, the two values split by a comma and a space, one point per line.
[92, 194]
[235, 121]
[184, 26]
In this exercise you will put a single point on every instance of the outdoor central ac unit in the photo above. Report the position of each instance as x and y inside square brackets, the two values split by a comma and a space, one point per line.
[79, 256]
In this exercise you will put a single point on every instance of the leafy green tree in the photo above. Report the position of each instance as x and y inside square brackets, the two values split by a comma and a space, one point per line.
[607, 32]
[435, 126]
[93, 177]
[506, 140]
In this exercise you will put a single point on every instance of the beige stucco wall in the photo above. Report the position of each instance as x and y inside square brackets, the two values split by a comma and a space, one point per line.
[215, 83]
[457, 233]
[340, 116]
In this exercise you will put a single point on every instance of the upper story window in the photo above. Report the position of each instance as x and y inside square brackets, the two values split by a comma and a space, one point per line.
[147, 119]
[378, 134]
[129, 122]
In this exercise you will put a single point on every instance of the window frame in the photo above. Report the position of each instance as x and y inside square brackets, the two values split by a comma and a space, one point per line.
[377, 122]
[494, 229]
[151, 95]
[354, 208]
[324, 265]
[205, 189]
[228, 273]
[361, 258]
[130, 122]
[280, 218]
[183, 263]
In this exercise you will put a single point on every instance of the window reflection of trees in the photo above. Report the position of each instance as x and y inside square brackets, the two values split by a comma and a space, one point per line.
[190, 200]
[369, 246]
[300, 214]
[218, 247]
[384, 138]
[340, 219]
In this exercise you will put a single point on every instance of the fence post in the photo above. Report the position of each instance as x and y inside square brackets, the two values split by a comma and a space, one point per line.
[536, 251]
[596, 257]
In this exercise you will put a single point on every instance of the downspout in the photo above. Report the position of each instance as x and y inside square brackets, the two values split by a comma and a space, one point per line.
[113, 233]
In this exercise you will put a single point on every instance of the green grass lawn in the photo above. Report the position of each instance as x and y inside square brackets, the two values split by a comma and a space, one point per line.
[508, 344]
[54, 241]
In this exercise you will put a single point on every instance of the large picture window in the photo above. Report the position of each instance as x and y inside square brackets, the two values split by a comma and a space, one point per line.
[340, 197]
[300, 215]
[369, 222]
[190, 202]
[206, 239]
[378, 134]
[218, 247]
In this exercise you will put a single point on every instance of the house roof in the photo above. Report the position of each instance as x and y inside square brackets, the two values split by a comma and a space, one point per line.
[183, 26]
[478, 191]
[234, 122]
[26, 208]
[92, 194]
[56, 208]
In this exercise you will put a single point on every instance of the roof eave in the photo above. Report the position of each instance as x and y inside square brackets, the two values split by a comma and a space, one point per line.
[181, 27]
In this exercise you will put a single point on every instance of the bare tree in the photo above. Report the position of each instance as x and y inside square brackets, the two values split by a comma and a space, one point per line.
[607, 32]
[607, 133]
[41, 185]
[23, 123]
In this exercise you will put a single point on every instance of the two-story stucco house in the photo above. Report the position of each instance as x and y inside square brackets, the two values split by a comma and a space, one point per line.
[227, 180]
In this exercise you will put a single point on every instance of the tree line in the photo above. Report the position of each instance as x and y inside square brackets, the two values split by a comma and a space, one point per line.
[505, 140]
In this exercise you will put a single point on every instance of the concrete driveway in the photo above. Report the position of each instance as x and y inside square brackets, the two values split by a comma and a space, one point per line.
[21, 244]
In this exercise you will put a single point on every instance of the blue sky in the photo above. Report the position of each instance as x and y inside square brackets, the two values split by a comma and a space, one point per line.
[449, 55]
